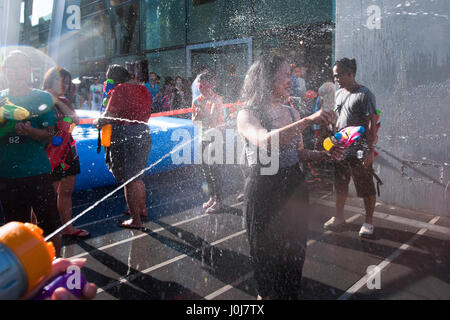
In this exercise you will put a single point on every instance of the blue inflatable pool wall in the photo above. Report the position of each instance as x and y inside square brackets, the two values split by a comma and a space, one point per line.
[94, 172]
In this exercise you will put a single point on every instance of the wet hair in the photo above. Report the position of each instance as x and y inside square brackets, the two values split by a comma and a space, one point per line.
[169, 80]
[16, 54]
[259, 81]
[348, 65]
[118, 73]
[205, 77]
[329, 75]
[56, 74]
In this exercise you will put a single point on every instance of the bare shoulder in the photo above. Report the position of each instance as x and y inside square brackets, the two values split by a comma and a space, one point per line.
[246, 118]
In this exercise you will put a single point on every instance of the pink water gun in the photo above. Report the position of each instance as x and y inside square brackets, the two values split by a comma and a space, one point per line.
[345, 137]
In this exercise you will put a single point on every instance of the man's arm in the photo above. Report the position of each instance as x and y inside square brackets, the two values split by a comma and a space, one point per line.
[104, 119]
[371, 140]
[371, 130]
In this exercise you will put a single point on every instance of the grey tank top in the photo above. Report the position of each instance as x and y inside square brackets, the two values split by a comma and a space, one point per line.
[288, 154]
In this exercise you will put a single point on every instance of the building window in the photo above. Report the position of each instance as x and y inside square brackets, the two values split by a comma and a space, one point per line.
[91, 7]
[163, 23]
[291, 13]
[124, 24]
[170, 63]
[218, 20]
[92, 44]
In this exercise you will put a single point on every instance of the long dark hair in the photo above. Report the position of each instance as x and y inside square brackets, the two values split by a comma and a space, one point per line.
[118, 73]
[57, 74]
[259, 81]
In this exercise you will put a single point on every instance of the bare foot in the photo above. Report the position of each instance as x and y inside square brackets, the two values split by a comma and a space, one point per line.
[131, 224]
[210, 202]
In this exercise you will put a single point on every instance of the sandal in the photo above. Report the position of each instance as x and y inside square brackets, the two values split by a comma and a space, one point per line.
[120, 223]
[214, 208]
[208, 204]
[80, 233]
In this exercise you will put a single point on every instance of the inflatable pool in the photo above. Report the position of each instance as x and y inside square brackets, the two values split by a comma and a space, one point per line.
[94, 172]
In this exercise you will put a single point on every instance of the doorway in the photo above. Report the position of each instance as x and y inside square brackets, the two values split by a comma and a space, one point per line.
[229, 60]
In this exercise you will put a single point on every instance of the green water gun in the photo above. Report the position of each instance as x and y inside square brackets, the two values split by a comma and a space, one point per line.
[10, 114]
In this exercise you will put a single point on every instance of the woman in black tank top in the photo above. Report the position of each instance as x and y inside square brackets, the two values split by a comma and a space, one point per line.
[276, 203]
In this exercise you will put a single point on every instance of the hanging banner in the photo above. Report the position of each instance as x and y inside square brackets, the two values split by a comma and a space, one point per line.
[65, 22]
[72, 16]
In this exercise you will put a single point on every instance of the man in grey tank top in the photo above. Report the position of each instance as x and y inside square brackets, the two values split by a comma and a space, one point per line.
[355, 106]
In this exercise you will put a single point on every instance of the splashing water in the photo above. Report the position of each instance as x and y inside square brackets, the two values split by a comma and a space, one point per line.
[179, 147]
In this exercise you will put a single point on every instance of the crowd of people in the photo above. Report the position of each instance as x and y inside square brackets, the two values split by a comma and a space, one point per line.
[276, 206]
[172, 94]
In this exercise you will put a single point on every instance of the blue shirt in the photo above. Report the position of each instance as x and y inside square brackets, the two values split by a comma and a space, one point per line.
[153, 91]
[298, 86]
[195, 90]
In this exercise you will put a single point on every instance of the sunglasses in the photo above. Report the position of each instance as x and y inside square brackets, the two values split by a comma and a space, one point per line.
[338, 75]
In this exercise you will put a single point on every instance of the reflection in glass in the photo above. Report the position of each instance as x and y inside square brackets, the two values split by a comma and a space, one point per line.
[163, 23]
[125, 28]
[92, 42]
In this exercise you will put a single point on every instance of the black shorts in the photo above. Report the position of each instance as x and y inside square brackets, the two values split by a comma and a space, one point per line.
[362, 177]
[129, 151]
[59, 173]
[19, 195]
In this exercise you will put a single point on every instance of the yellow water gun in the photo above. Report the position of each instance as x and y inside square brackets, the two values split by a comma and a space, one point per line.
[10, 111]
[10, 114]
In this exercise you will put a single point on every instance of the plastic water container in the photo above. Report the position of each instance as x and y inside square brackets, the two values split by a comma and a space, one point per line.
[106, 135]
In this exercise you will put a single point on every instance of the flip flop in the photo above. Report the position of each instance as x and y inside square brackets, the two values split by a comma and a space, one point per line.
[120, 224]
[80, 233]
[127, 213]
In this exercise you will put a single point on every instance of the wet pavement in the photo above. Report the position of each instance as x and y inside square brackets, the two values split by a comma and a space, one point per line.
[186, 254]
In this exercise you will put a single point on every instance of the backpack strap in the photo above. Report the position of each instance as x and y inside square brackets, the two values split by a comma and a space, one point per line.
[291, 111]
[379, 181]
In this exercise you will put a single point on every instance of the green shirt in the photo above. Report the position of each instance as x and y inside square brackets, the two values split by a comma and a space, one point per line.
[22, 157]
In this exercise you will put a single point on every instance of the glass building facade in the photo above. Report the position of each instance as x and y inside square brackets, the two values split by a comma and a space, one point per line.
[176, 37]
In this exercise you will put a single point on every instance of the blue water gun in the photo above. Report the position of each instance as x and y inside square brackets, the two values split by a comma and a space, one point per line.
[108, 85]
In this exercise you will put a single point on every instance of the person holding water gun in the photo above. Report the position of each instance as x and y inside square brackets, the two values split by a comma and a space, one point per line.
[25, 170]
[62, 150]
[31, 272]
[355, 106]
[276, 201]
